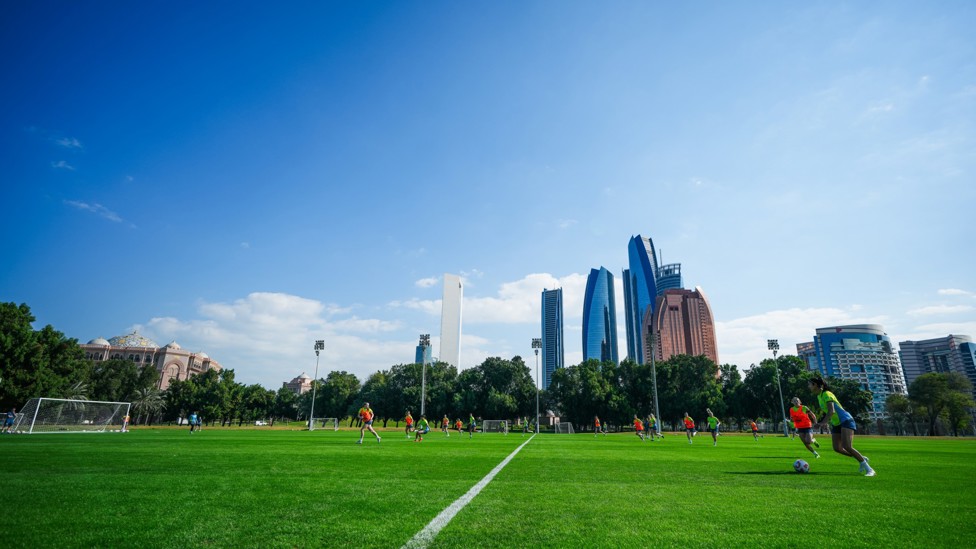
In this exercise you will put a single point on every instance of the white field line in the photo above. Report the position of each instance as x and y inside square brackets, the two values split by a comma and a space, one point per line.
[423, 538]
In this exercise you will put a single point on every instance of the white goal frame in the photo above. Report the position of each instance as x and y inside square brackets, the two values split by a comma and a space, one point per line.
[565, 428]
[494, 426]
[328, 422]
[70, 416]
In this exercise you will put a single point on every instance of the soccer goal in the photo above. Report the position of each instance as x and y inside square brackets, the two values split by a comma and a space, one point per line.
[564, 428]
[57, 415]
[494, 426]
[328, 423]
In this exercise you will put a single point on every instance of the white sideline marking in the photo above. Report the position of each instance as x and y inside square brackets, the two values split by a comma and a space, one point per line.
[423, 538]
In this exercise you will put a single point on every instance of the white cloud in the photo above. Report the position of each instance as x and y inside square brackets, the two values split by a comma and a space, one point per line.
[566, 223]
[267, 338]
[956, 291]
[68, 142]
[62, 165]
[940, 310]
[520, 301]
[742, 341]
[96, 209]
[245, 245]
[427, 282]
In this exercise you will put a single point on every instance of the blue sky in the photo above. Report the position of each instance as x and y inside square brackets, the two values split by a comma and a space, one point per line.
[246, 178]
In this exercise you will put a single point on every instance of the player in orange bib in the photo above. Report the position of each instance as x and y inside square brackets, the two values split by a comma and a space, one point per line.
[458, 425]
[804, 419]
[366, 415]
[639, 427]
[689, 427]
[597, 428]
[445, 424]
[409, 421]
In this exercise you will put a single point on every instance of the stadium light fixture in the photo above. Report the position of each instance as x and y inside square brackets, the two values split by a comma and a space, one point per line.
[319, 346]
[536, 345]
[773, 345]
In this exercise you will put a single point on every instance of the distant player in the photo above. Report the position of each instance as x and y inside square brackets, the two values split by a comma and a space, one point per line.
[193, 422]
[804, 419]
[422, 428]
[458, 425]
[755, 430]
[841, 422]
[409, 421]
[445, 425]
[125, 423]
[596, 425]
[653, 429]
[639, 427]
[689, 427]
[472, 425]
[8, 422]
[525, 425]
[713, 424]
[366, 415]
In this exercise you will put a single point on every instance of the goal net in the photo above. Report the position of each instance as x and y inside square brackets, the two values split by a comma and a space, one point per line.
[328, 423]
[564, 428]
[495, 426]
[56, 415]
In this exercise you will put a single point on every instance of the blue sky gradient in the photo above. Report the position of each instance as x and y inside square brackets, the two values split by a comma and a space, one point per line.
[245, 178]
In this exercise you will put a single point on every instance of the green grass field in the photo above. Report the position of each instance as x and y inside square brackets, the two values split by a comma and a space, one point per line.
[281, 488]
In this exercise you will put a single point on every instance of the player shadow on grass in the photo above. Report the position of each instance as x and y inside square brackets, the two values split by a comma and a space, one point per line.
[766, 457]
[780, 473]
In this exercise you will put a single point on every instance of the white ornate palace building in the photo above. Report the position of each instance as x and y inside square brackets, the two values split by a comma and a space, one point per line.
[172, 361]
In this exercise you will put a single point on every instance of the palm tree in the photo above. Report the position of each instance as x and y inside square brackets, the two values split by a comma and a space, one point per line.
[147, 402]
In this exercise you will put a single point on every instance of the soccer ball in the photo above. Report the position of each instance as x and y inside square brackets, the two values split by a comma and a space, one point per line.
[801, 466]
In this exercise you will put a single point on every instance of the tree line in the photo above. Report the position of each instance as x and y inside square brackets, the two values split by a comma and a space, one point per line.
[46, 363]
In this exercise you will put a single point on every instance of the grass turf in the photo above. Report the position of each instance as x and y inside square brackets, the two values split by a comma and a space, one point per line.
[279, 488]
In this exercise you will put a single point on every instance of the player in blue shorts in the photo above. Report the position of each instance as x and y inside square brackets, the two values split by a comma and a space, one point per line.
[841, 422]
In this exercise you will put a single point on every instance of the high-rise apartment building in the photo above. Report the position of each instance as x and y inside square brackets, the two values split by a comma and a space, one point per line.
[808, 353]
[862, 353]
[953, 353]
[600, 317]
[668, 277]
[552, 334]
[683, 324]
[451, 320]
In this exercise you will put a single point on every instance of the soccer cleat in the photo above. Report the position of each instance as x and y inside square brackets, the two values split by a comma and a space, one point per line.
[869, 473]
[378, 439]
[816, 455]
[359, 442]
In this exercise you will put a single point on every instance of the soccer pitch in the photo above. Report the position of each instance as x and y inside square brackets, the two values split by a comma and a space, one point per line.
[276, 488]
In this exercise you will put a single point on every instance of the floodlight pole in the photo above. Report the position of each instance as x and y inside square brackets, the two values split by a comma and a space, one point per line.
[773, 345]
[536, 345]
[319, 346]
[424, 344]
[657, 412]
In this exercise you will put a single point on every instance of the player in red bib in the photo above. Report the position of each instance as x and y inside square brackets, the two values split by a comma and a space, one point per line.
[689, 427]
[639, 427]
[803, 420]
[597, 428]
[366, 415]
[409, 421]
[755, 430]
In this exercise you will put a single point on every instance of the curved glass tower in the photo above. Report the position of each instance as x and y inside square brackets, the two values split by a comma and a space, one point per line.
[640, 292]
[600, 317]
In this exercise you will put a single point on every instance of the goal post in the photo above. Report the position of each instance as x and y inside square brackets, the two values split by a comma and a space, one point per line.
[328, 423]
[564, 428]
[59, 415]
[494, 426]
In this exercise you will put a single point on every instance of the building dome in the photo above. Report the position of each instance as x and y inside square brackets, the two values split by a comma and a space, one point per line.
[203, 356]
[99, 341]
[132, 340]
[304, 376]
[173, 345]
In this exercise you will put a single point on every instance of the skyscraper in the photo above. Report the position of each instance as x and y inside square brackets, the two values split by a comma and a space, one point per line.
[451, 320]
[600, 317]
[640, 291]
[953, 353]
[552, 334]
[863, 353]
[683, 325]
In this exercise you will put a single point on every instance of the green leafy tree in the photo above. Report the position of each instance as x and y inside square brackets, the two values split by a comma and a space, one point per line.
[933, 393]
[338, 393]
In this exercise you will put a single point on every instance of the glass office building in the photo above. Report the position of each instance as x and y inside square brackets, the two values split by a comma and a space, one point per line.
[953, 353]
[552, 334]
[640, 291]
[600, 317]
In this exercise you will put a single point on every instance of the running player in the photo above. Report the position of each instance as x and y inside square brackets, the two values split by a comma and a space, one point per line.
[422, 428]
[713, 424]
[409, 421]
[525, 425]
[472, 425]
[689, 427]
[841, 422]
[366, 415]
[639, 428]
[755, 430]
[653, 429]
[458, 425]
[596, 425]
[804, 419]
[445, 424]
